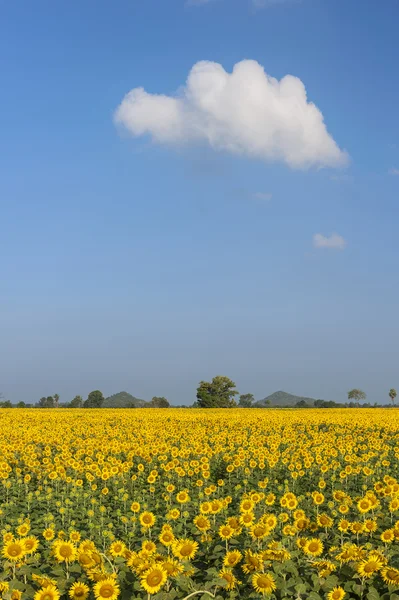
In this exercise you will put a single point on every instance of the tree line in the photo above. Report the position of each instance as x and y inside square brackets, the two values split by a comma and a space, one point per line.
[218, 393]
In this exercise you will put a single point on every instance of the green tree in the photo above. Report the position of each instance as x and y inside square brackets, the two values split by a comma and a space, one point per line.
[303, 404]
[159, 402]
[21, 404]
[356, 395]
[56, 400]
[46, 402]
[5, 404]
[77, 402]
[392, 395]
[246, 400]
[219, 393]
[94, 400]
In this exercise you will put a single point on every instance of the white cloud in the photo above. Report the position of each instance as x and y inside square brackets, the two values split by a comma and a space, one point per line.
[394, 171]
[334, 241]
[264, 196]
[246, 112]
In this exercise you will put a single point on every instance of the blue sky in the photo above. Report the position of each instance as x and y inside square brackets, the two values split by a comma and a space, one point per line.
[149, 262]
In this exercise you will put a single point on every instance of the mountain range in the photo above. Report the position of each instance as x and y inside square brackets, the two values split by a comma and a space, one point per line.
[283, 399]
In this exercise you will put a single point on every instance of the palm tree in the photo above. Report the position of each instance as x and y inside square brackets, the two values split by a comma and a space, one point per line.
[56, 400]
[392, 395]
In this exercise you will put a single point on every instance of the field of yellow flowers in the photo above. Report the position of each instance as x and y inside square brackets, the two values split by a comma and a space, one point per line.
[171, 504]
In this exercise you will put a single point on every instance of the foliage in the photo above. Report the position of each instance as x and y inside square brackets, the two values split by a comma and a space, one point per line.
[392, 395]
[246, 400]
[159, 402]
[46, 402]
[356, 395]
[94, 400]
[219, 393]
[77, 402]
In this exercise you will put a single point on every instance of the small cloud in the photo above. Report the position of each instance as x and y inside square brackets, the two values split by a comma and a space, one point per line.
[334, 241]
[394, 171]
[263, 196]
[246, 113]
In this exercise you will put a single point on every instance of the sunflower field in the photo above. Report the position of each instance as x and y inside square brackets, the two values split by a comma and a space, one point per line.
[168, 504]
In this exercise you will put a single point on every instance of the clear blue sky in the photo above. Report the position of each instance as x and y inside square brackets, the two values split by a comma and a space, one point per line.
[133, 263]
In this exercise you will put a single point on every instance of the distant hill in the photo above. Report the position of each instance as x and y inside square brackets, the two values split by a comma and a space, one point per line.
[123, 400]
[283, 399]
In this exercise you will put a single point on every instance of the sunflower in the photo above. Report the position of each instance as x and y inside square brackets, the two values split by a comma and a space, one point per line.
[135, 507]
[64, 551]
[313, 547]
[148, 547]
[107, 588]
[117, 548]
[226, 532]
[14, 550]
[344, 525]
[390, 575]
[49, 592]
[318, 498]
[232, 558]
[324, 520]
[30, 544]
[48, 534]
[43, 581]
[229, 578]
[247, 505]
[8, 537]
[4, 587]
[23, 529]
[370, 526]
[367, 567]
[166, 537]
[247, 519]
[263, 583]
[203, 523]
[185, 549]
[78, 591]
[357, 527]
[259, 531]
[252, 562]
[183, 497]
[16, 595]
[172, 567]
[147, 519]
[387, 536]
[363, 505]
[74, 536]
[153, 579]
[336, 593]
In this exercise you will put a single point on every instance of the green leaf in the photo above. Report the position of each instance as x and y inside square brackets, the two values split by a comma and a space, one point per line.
[373, 594]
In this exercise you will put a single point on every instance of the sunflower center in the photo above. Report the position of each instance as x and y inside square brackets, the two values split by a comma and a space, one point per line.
[185, 550]
[79, 592]
[263, 582]
[15, 550]
[106, 591]
[154, 578]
